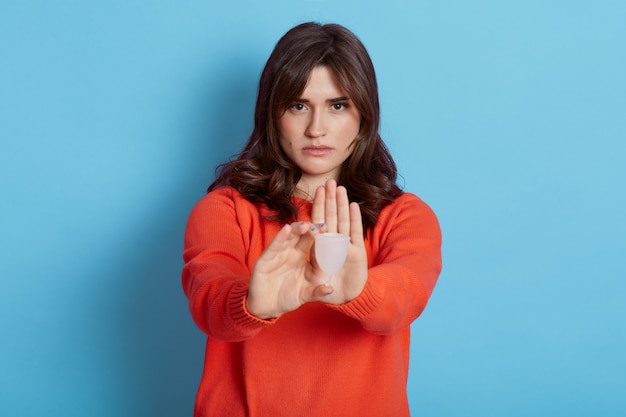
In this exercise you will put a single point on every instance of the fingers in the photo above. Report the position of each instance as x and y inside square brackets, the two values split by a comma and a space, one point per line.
[297, 235]
[303, 235]
[318, 210]
[330, 205]
[344, 223]
[279, 242]
[317, 293]
[332, 209]
[322, 291]
[356, 224]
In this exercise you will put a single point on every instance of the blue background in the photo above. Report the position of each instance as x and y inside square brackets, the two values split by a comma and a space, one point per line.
[508, 118]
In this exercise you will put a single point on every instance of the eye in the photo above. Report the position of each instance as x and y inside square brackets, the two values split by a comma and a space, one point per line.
[339, 106]
[297, 107]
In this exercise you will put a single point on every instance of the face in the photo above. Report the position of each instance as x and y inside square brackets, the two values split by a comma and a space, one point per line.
[317, 130]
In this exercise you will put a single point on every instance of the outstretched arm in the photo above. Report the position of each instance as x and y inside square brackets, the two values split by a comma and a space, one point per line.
[406, 260]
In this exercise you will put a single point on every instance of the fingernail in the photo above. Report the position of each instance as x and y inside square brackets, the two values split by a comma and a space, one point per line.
[313, 228]
[323, 224]
[330, 292]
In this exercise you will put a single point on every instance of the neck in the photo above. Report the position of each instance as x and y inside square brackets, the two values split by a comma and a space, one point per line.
[306, 195]
[307, 185]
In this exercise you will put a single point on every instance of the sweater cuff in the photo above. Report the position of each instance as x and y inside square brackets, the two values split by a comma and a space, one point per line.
[367, 302]
[240, 315]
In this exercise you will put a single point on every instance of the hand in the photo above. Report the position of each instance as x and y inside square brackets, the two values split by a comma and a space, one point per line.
[332, 207]
[283, 278]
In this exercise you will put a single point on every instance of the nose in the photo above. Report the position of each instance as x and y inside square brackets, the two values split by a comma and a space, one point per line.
[316, 126]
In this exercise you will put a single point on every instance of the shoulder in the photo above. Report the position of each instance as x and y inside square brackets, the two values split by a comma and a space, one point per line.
[407, 202]
[222, 195]
[220, 201]
[408, 212]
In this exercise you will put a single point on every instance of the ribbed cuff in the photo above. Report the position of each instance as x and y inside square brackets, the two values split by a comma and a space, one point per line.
[240, 315]
[366, 303]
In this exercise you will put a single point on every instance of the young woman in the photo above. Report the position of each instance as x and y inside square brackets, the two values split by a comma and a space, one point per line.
[281, 342]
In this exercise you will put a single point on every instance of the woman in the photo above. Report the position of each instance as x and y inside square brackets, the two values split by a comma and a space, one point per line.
[281, 342]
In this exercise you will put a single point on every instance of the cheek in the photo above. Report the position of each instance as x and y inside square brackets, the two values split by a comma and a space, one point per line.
[285, 144]
[353, 124]
[352, 133]
[351, 130]
[286, 127]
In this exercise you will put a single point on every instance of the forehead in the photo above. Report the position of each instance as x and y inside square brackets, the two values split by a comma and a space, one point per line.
[323, 84]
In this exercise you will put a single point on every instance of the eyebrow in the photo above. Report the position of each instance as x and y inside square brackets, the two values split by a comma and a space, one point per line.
[330, 100]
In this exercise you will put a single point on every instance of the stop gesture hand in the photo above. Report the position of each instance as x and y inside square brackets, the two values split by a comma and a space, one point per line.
[332, 208]
[283, 278]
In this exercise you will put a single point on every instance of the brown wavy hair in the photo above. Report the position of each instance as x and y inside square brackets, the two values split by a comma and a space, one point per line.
[263, 173]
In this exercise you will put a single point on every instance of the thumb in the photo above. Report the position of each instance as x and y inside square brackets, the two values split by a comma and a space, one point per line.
[316, 293]
[322, 291]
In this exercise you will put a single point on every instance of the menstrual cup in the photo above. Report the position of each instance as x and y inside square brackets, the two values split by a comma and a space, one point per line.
[331, 250]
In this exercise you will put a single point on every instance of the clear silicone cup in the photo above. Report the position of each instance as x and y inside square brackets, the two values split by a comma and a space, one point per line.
[331, 250]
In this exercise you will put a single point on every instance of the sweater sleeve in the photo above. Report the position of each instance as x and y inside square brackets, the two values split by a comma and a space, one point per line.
[215, 275]
[406, 250]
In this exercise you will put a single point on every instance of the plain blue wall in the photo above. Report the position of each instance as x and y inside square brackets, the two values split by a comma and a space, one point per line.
[508, 118]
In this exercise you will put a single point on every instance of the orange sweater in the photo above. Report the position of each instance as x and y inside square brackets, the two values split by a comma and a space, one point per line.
[319, 360]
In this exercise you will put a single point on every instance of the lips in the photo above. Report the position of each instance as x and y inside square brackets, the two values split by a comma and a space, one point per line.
[317, 150]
